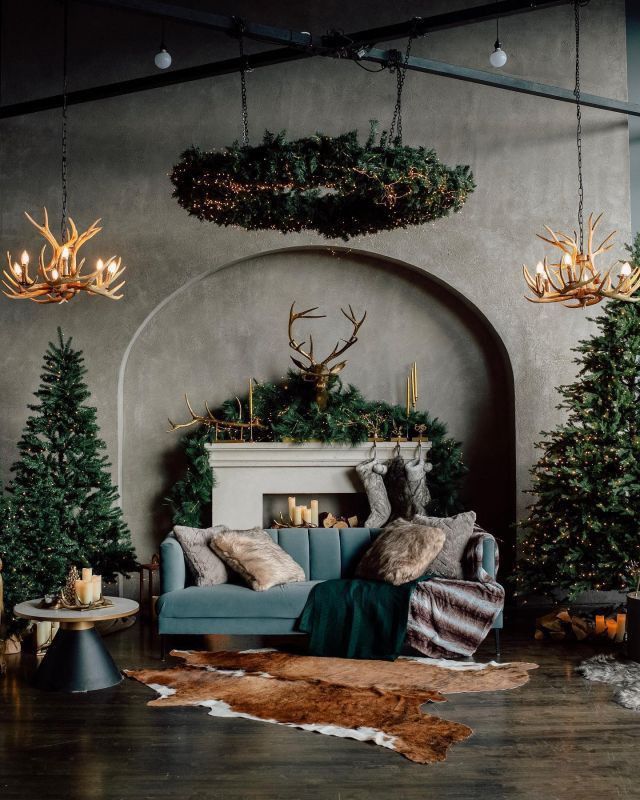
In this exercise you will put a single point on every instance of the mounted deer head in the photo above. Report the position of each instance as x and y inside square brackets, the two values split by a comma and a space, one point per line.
[319, 372]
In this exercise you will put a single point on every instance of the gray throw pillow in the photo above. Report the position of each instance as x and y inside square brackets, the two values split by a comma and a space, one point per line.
[401, 553]
[207, 569]
[458, 530]
[256, 557]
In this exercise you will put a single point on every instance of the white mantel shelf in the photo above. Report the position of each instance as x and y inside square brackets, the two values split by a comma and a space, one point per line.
[246, 471]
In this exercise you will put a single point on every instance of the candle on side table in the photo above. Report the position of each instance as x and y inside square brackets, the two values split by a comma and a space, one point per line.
[87, 573]
[84, 591]
[621, 627]
[96, 580]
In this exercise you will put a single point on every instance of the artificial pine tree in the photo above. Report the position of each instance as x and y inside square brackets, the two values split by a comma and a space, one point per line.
[61, 504]
[584, 526]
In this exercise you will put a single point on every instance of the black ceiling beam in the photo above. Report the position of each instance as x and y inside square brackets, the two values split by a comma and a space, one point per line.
[419, 26]
[156, 81]
[509, 82]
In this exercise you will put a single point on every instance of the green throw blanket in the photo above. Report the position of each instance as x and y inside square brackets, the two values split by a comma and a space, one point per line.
[357, 618]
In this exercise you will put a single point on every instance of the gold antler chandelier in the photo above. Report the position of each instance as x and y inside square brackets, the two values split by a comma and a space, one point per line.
[60, 277]
[574, 279]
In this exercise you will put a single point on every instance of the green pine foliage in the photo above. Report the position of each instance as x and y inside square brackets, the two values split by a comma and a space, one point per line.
[61, 504]
[289, 413]
[584, 526]
[334, 185]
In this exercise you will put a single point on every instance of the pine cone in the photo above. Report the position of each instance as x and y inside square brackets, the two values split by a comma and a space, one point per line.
[69, 591]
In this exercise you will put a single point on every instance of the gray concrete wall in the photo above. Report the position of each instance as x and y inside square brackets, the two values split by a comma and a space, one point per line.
[633, 72]
[522, 154]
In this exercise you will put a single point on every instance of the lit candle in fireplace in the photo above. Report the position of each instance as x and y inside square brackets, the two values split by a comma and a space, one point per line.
[314, 513]
[292, 507]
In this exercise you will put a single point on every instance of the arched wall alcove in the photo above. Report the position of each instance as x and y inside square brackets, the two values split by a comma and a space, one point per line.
[229, 323]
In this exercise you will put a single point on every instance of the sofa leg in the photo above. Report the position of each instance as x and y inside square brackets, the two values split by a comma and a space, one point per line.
[497, 635]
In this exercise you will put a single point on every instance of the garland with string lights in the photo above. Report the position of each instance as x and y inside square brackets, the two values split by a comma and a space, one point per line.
[336, 186]
[289, 412]
[582, 530]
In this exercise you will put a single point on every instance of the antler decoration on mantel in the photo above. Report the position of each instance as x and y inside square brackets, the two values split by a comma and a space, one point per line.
[319, 372]
[210, 420]
[574, 280]
[60, 278]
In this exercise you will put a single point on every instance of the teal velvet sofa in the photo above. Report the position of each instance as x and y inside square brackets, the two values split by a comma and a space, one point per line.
[231, 608]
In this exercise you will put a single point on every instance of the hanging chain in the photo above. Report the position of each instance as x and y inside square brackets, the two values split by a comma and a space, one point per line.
[65, 54]
[579, 127]
[395, 129]
[243, 84]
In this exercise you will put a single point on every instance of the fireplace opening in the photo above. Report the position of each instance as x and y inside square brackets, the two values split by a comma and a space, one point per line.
[340, 505]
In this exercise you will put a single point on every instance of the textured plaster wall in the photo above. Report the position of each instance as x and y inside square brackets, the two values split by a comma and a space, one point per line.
[520, 148]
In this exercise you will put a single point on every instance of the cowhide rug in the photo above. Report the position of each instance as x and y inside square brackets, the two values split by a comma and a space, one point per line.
[377, 701]
[623, 674]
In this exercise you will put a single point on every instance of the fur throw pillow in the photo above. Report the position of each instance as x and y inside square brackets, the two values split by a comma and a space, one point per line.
[257, 558]
[458, 530]
[401, 553]
[207, 569]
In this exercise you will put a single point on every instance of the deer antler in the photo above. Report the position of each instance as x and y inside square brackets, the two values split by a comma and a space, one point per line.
[357, 324]
[297, 346]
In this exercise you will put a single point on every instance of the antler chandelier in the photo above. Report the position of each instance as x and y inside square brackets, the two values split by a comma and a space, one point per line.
[574, 280]
[59, 278]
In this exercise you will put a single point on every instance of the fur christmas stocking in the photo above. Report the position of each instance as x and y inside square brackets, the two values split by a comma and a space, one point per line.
[418, 494]
[371, 474]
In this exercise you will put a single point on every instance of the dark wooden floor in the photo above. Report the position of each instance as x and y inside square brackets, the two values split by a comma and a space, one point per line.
[558, 737]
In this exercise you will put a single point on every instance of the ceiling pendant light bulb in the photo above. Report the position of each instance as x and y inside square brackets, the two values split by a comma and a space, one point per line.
[162, 58]
[498, 58]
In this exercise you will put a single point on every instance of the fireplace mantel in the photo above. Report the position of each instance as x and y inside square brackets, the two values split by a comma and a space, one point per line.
[246, 471]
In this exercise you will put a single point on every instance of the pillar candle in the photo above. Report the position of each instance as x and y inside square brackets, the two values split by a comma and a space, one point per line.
[621, 627]
[292, 505]
[87, 572]
[43, 634]
[96, 580]
[297, 515]
[84, 591]
[408, 395]
[600, 623]
[306, 514]
[314, 512]
[612, 627]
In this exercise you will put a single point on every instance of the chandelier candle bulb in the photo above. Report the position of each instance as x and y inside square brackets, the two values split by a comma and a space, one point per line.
[621, 627]
[601, 625]
[314, 513]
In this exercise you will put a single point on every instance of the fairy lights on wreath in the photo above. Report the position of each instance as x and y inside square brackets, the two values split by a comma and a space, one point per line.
[334, 185]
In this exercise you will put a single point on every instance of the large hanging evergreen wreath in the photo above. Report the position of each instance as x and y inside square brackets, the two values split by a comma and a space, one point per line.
[289, 412]
[333, 185]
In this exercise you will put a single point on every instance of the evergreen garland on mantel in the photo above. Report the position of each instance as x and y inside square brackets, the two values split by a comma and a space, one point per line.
[289, 413]
[333, 185]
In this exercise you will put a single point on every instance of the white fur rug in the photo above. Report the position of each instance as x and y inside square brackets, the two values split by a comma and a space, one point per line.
[619, 672]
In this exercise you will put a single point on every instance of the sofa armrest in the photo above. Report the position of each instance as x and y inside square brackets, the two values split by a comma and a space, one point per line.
[481, 558]
[173, 569]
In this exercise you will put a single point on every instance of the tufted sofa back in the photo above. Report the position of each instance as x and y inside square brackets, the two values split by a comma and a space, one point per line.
[325, 553]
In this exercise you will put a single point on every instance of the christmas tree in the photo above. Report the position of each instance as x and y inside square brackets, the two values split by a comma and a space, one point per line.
[584, 526]
[61, 504]
[288, 412]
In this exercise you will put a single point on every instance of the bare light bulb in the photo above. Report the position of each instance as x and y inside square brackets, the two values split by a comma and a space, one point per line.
[566, 260]
[625, 270]
[24, 258]
[112, 268]
[55, 274]
[65, 253]
[540, 268]
[162, 58]
[99, 265]
[498, 58]
[17, 270]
